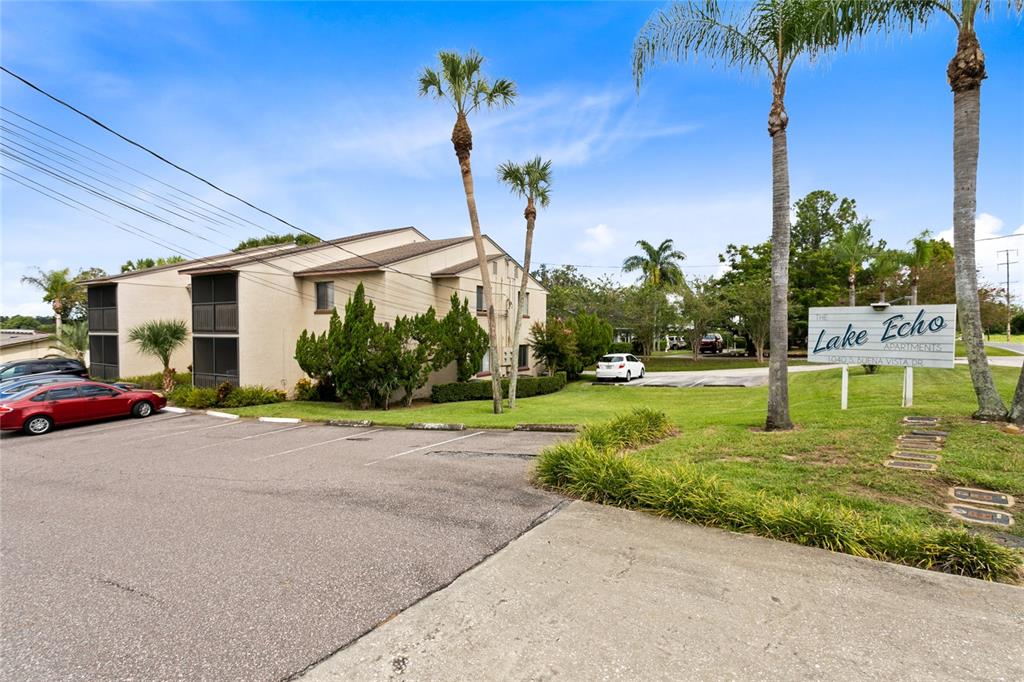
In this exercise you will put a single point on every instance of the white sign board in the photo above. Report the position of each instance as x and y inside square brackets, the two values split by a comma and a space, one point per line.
[901, 335]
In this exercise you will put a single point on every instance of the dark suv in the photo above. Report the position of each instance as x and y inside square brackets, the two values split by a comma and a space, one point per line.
[712, 343]
[20, 369]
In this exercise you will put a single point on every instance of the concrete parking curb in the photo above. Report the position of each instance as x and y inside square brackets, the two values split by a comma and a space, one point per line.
[281, 420]
[437, 427]
[222, 415]
[175, 410]
[349, 422]
[551, 428]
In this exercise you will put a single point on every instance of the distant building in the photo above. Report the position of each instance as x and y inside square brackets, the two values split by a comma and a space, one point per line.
[23, 344]
[245, 310]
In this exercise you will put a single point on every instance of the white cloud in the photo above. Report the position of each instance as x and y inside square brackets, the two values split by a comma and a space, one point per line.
[599, 239]
[987, 256]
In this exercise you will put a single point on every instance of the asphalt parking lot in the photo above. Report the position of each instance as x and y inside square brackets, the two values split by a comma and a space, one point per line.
[187, 547]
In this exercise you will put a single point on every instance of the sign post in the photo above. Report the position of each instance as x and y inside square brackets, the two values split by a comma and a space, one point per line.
[882, 334]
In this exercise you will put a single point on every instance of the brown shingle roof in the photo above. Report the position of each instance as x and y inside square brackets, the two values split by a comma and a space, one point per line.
[385, 257]
[453, 270]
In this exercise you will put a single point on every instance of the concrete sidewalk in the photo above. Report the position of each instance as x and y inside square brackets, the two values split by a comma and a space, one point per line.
[601, 593]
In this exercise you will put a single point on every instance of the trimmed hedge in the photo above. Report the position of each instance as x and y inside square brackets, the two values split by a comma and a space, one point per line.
[594, 467]
[481, 390]
[205, 398]
[155, 382]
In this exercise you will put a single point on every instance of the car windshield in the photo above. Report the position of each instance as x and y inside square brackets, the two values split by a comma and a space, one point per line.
[613, 358]
[16, 393]
[709, 337]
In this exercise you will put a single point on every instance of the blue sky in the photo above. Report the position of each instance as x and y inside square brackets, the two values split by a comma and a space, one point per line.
[310, 110]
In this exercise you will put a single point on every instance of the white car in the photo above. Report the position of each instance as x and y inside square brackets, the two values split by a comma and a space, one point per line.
[620, 366]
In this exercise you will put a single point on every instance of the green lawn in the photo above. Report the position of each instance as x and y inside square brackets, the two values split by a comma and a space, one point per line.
[991, 351]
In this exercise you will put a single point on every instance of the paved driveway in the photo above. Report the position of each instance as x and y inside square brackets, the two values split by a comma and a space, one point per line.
[185, 547]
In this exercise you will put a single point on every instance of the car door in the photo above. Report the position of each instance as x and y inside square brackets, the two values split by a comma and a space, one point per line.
[633, 365]
[101, 402]
[65, 404]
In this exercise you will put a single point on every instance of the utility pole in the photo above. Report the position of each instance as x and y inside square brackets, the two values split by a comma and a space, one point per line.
[1007, 263]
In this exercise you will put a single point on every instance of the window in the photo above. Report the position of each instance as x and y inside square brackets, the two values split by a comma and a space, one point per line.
[480, 299]
[494, 267]
[526, 304]
[215, 303]
[103, 359]
[214, 360]
[98, 392]
[485, 364]
[324, 296]
[62, 393]
[524, 355]
[103, 308]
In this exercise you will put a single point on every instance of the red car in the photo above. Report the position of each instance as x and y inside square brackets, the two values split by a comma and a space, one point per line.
[37, 409]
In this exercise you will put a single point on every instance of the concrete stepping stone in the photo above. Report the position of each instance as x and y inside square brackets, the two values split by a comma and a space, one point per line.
[919, 445]
[918, 456]
[988, 517]
[923, 421]
[937, 434]
[913, 466]
[979, 496]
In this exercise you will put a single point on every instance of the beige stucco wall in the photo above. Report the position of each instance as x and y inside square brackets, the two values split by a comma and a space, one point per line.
[28, 350]
[161, 295]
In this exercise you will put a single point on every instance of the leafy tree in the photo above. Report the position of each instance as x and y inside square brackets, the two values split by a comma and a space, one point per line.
[460, 340]
[593, 338]
[769, 35]
[59, 290]
[649, 314]
[701, 307]
[659, 265]
[750, 302]
[350, 344]
[20, 322]
[554, 343]
[530, 181]
[301, 239]
[571, 293]
[146, 263]
[160, 338]
[73, 340]
[460, 82]
[316, 357]
[418, 340]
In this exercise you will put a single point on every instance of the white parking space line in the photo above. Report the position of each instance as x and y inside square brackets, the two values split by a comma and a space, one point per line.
[255, 435]
[450, 440]
[178, 433]
[306, 447]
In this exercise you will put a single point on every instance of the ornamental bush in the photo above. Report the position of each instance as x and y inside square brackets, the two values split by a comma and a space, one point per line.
[481, 390]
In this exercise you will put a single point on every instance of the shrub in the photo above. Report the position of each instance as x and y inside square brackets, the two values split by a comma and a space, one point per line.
[198, 398]
[244, 396]
[306, 390]
[591, 467]
[621, 347]
[155, 381]
[481, 390]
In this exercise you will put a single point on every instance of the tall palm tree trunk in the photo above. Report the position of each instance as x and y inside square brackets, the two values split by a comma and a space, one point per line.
[1017, 407]
[778, 380]
[531, 220]
[966, 71]
[462, 140]
[58, 308]
[852, 279]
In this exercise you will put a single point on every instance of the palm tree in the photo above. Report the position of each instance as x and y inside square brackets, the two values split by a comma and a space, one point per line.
[853, 248]
[160, 338]
[885, 266]
[460, 82]
[918, 258]
[659, 264]
[965, 72]
[769, 36]
[72, 340]
[660, 268]
[530, 181]
[59, 289]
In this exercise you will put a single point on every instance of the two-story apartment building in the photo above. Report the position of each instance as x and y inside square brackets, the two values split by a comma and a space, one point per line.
[245, 310]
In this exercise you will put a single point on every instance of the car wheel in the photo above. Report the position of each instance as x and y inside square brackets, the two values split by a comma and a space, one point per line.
[38, 425]
[629, 376]
[143, 408]
[642, 373]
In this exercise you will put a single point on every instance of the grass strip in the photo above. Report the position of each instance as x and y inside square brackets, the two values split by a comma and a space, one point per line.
[597, 467]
